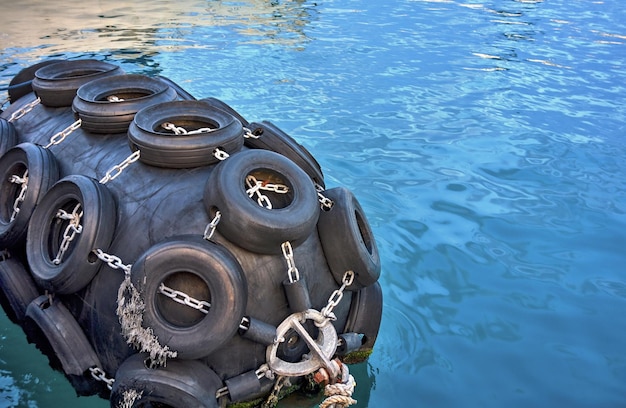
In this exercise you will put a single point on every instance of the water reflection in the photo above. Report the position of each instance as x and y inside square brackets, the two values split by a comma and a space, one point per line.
[35, 28]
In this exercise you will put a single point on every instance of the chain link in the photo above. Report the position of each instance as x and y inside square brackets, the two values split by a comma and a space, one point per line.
[59, 137]
[71, 230]
[114, 98]
[23, 181]
[292, 270]
[337, 295]
[212, 226]
[112, 261]
[99, 375]
[184, 299]
[255, 186]
[220, 154]
[24, 110]
[247, 133]
[178, 130]
[118, 168]
[326, 203]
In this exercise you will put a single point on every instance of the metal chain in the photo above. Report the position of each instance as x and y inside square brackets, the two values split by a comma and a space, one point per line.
[59, 137]
[325, 203]
[23, 181]
[99, 375]
[185, 299]
[220, 154]
[273, 397]
[292, 270]
[178, 130]
[247, 133]
[212, 226]
[112, 261]
[24, 110]
[118, 168]
[254, 187]
[71, 230]
[337, 295]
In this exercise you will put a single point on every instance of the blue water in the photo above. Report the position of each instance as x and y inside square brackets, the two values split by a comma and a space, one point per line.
[484, 140]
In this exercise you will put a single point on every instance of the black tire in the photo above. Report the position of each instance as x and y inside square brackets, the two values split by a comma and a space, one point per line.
[243, 220]
[219, 104]
[8, 136]
[17, 287]
[54, 330]
[99, 115]
[43, 172]
[182, 94]
[270, 137]
[21, 84]
[56, 84]
[347, 240]
[365, 314]
[179, 384]
[79, 265]
[162, 148]
[203, 270]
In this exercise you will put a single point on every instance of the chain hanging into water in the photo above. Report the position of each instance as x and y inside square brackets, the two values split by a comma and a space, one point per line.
[24, 110]
[337, 295]
[59, 137]
[71, 230]
[179, 130]
[212, 226]
[255, 186]
[118, 168]
[292, 270]
[184, 299]
[23, 182]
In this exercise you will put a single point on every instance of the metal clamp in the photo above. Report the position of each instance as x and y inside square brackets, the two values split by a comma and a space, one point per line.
[321, 349]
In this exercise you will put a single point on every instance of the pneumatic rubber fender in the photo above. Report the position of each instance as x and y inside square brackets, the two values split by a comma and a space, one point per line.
[50, 325]
[182, 383]
[18, 288]
[21, 84]
[56, 84]
[203, 270]
[41, 170]
[247, 223]
[270, 137]
[78, 265]
[163, 148]
[109, 104]
[347, 239]
[8, 136]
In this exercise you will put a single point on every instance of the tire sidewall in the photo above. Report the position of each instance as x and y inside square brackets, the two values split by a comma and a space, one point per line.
[99, 218]
[243, 220]
[43, 172]
[222, 274]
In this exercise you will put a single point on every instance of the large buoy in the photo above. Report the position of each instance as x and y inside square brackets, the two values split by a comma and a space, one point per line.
[162, 249]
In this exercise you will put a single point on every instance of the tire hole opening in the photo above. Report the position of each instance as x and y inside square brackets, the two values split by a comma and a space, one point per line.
[180, 287]
[269, 189]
